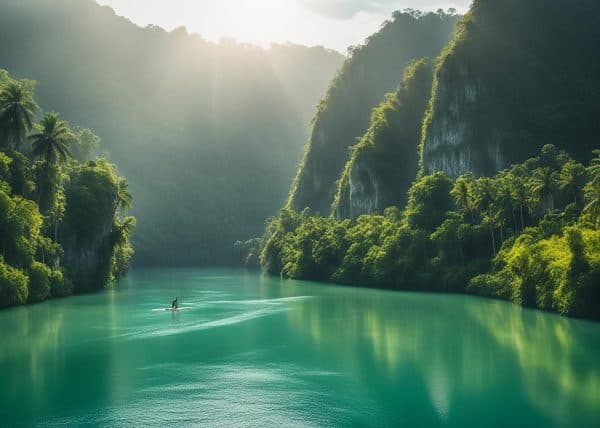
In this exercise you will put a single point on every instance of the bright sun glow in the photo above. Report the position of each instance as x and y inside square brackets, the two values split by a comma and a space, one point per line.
[332, 23]
[257, 21]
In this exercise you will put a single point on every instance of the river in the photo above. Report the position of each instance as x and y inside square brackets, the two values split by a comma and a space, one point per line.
[264, 352]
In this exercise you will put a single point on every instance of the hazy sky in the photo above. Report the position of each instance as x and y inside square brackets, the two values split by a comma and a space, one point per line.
[333, 23]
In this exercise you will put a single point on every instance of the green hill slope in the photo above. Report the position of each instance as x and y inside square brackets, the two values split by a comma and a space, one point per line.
[343, 116]
[384, 162]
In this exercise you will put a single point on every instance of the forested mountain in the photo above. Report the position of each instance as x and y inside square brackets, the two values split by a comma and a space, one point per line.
[529, 234]
[503, 88]
[516, 78]
[208, 134]
[373, 69]
[506, 197]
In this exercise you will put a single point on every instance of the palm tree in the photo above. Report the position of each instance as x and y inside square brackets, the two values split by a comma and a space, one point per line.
[507, 204]
[123, 199]
[119, 241]
[51, 142]
[462, 192]
[592, 197]
[594, 168]
[57, 213]
[485, 191]
[51, 145]
[521, 196]
[122, 230]
[17, 112]
[544, 186]
[572, 178]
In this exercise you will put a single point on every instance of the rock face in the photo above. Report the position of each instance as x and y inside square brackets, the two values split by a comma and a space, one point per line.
[519, 75]
[343, 116]
[384, 163]
[86, 233]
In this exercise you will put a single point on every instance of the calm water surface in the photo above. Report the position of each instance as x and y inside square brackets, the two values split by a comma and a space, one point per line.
[262, 352]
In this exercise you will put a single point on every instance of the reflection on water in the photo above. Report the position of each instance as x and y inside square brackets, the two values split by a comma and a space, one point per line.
[553, 353]
[259, 351]
[463, 347]
[36, 343]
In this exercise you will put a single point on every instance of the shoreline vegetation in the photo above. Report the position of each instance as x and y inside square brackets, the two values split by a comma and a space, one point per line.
[493, 190]
[528, 235]
[63, 223]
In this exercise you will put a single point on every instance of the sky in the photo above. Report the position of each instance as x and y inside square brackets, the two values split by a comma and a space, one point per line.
[335, 24]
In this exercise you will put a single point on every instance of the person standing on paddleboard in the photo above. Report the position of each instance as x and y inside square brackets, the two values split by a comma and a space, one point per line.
[174, 304]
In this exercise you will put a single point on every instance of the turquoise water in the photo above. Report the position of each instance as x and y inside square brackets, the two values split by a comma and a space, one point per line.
[255, 351]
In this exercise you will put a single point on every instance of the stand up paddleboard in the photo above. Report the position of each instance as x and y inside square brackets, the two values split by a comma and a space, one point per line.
[171, 309]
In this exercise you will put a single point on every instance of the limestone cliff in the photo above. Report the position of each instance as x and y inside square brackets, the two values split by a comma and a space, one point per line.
[384, 163]
[343, 116]
[86, 233]
[518, 75]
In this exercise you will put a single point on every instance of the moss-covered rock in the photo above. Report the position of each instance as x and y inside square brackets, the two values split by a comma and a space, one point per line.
[86, 232]
[517, 76]
[384, 162]
[343, 116]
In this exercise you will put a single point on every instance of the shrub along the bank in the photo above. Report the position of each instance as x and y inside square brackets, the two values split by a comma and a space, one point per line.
[529, 234]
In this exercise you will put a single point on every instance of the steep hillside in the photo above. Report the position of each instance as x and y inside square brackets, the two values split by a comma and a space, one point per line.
[208, 134]
[384, 162]
[518, 75]
[304, 74]
[491, 236]
[343, 116]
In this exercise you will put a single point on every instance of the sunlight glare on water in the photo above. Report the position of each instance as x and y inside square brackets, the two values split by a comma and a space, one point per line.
[259, 351]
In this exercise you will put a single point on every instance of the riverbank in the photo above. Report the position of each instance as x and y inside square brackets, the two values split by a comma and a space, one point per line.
[491, 236]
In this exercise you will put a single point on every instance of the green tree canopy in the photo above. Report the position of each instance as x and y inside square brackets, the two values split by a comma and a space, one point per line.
[17, 112]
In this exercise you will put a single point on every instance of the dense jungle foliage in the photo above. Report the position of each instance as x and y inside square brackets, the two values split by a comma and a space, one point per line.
[371, 71]
[63, 227]
[503, 91]
[225, 122]
[529, 234]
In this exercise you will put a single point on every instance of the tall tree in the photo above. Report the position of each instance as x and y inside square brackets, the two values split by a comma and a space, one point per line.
[543, 187]
[51, 142]
[462, 192]
[123, 199]
[122, 230]
[592, 197]
[572, 178]
[51, 146]
[17, 113]
[485, 194]
[521, 196]
[594, 168]
[506, 203]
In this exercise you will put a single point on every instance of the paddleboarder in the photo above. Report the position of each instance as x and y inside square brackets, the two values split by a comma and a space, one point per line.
[174, 304]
